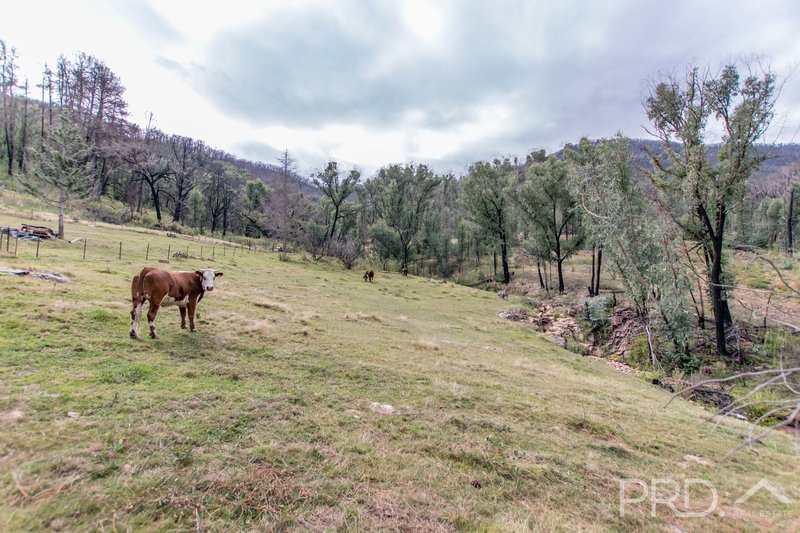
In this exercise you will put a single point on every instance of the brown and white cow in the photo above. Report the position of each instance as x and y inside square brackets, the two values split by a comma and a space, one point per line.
[163, 288]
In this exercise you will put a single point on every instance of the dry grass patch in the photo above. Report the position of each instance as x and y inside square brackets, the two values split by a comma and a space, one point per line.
[305, 317]
[363, 317]
[426, 344]
[273, 306]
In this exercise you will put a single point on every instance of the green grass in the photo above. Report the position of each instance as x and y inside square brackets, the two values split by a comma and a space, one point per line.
[261, 419]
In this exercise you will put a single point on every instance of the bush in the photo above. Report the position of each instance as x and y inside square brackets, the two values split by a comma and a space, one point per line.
[177, 227]
[347, 251]
[639, 353]
[107, 212]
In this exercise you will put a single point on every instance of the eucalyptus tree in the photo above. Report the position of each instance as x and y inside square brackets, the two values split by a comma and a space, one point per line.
[640, 248]
[336, 188]
[402, 195]
[697, 192]
[60, 170]
[792, 178]
[385, 243]
[287, 205]
[187, 159]
[196, 210]
[149, 163]
[545, 203]
[222, 188]
[485, 198]
[254, 202]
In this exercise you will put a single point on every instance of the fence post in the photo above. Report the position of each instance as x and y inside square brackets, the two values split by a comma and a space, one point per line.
[169, 249]
[213, 250]
[234, 250]
[120, 250]
[201, 251]
[187, 251]
[16, 243]
[147, 253]
[37, 247]
[84, 247]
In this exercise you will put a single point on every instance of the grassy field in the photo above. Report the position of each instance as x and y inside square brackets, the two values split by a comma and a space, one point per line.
[261, 420]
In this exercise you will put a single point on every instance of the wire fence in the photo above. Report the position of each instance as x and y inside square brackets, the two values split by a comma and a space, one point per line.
[94, 248]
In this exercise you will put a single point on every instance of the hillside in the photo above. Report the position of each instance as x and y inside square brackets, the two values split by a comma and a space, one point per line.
[769, 178]
[263, 420]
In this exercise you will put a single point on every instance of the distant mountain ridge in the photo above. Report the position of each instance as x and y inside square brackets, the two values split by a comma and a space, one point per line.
[769, 179]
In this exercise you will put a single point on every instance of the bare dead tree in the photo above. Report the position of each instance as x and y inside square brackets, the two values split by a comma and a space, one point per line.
[8, 88]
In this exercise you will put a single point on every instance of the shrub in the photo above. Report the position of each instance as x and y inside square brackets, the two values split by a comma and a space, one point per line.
[639, 353]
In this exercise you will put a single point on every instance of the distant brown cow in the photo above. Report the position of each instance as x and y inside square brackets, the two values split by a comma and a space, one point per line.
[368, 275]
[163, 288]
[404, 270]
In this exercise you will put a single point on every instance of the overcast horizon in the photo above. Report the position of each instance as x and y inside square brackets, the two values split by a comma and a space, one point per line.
[373, 83]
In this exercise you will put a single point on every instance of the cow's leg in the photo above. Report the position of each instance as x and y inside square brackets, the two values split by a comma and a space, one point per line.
[183, 317]
[151, 317]
[192, 306]
[135, 314]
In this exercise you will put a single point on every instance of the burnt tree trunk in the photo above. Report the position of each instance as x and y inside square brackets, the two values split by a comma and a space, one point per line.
[789, 223]
[539, 269]
[504, 260]
[722, 316]
[599, 265]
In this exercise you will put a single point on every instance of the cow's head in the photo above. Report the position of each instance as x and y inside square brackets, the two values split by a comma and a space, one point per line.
[207, 278]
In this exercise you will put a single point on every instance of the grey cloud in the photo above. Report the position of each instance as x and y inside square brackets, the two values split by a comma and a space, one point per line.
[146, 20]
[568, 69]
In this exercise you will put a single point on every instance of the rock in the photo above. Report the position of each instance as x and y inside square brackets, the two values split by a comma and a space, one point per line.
[625, 326]
[56, 524]
[166, 261]
[696, 459]
[514, 314]
[12, 416]
[73, 414]
[382, 408]
[616, 365]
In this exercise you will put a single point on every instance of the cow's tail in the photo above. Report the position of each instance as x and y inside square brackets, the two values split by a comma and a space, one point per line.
[137, 287]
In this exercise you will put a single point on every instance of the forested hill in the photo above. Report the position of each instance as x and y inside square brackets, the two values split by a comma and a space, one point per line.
[769, 179]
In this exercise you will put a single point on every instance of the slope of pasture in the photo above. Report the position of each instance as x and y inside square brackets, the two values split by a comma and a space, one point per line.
[262, 419]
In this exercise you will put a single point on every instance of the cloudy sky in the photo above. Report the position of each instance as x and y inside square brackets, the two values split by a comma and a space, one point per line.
[373, 82]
